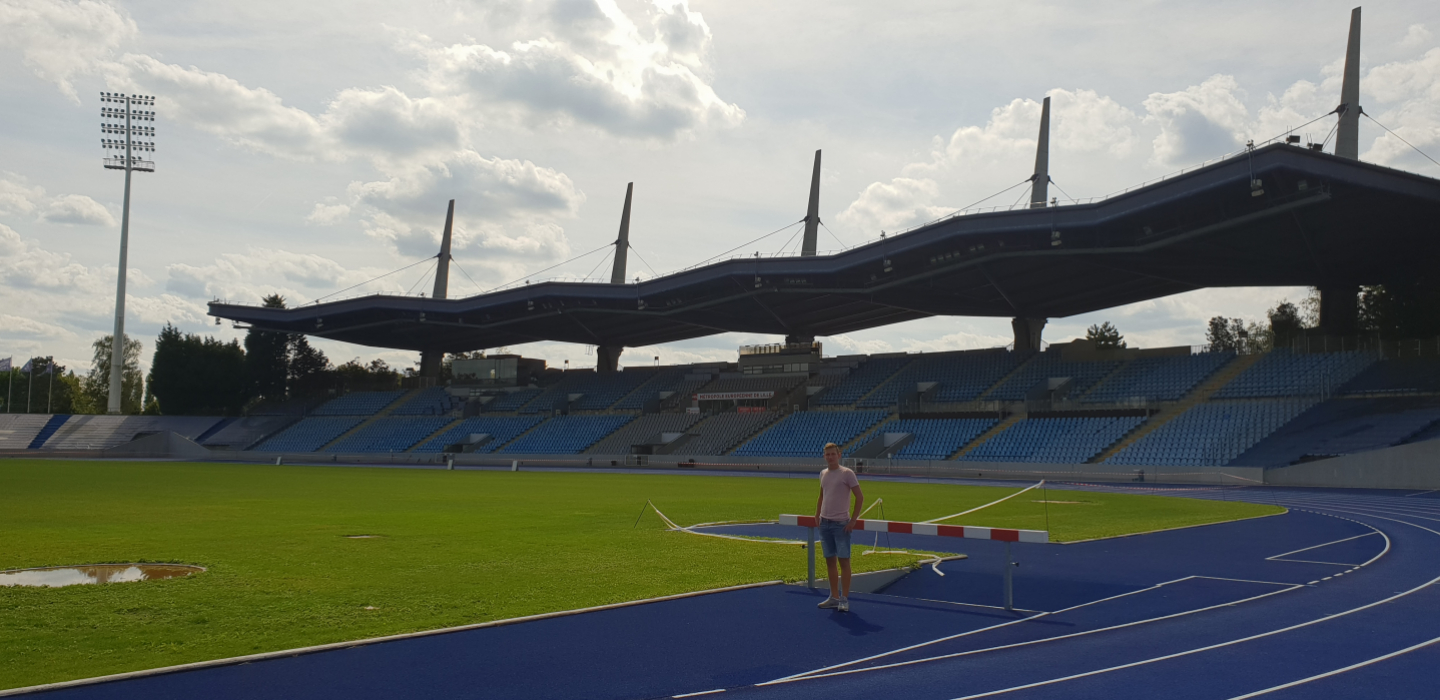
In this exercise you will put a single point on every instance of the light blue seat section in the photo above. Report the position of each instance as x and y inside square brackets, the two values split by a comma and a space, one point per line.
[1083, 375]
[1403, 376]
[936, 438]
[1158, 378]
[310, 434]
[805, 433]
[511, 400]
[1342, 427]
[391, 434]
[566, 435]
[359, 403]
[1211, 434]
[960, 376]
[861, 381]
[435, 401]
[1283, 373]
[1053, 440]
[501, 429]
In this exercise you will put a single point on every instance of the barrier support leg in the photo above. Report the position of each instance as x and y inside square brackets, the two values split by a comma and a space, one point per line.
[1009, 579]
[810, 553]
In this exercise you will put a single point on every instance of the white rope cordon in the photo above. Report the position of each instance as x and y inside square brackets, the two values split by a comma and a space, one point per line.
[987, 505]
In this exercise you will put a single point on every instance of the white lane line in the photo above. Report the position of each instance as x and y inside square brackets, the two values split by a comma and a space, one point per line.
[1327, 544]
[1338, 671]
[966, 634]
[1309, 561]
[1022, 644]
[1248, 580]
[1211, 647]
[703, 692]
[1422, 493]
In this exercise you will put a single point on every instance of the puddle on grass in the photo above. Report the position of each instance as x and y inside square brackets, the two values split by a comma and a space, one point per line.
[57, 576]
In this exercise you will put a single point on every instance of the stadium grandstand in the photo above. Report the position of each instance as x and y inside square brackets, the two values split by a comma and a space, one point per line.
[1279, 213]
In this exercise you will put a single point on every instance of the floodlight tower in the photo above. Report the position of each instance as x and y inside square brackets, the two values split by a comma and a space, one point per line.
[131, 130]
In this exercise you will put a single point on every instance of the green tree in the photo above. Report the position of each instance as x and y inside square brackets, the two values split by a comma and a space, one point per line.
[1401, 310]
[1286, 324]
[41, 390]
[309, 371]
[375, 376]
[267, 358]
[190, 375]
[1106, 336]
[95, 386]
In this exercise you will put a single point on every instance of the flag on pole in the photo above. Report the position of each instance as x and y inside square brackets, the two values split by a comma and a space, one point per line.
[49, 367]
[26, 368]
[5, 365]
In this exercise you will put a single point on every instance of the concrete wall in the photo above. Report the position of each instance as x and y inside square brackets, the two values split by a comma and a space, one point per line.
[1415, 466]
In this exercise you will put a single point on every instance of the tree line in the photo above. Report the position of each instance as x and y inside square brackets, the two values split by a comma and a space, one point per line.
[194, 375]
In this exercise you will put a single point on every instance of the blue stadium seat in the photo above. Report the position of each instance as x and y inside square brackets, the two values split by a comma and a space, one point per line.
[566, 435]
[1054, 440]
[803, 434]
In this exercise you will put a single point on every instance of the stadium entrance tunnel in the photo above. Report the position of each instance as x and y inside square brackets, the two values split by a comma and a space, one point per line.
[58, 576]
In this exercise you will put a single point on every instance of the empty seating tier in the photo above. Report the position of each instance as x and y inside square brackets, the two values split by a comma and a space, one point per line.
[310, 434]
[1053, 440]
[804, 434]
[390, 434]
[720, 433]
[566, 435]
[1343, 426]
[959, 377]
[435, 401]
[1283, 373]
[500, 429]
[1158, 378]
[511, 400]
[18, 429]
[359, 403]
[241, 433]
[641, 430]
[1407, 376]
[665, 380]
[862, 381]
[104, 432]
[936, 438]
[1083, 375]
[1210, 434]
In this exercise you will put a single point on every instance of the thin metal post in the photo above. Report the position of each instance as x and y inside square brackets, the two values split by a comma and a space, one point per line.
[50, 392]
[1009, 579]
[810, 550]
[117, 342]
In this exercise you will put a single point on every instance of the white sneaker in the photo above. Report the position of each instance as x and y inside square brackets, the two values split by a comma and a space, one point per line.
[843, 605]
[829, 603]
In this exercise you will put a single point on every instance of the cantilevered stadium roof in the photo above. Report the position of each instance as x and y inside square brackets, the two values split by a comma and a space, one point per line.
[1316, 220]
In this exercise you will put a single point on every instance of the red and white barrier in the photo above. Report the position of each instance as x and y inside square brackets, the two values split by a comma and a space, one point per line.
[965, 531]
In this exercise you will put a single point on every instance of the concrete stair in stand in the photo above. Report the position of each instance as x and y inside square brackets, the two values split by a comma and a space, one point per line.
[1198, 395]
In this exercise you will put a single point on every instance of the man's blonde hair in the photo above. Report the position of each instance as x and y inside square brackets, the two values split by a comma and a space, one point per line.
[829, 445]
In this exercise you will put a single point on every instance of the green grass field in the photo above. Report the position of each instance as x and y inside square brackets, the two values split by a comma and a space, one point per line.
[454, 548]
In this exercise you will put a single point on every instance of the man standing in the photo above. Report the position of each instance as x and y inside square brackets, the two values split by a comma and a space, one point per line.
[836, 522]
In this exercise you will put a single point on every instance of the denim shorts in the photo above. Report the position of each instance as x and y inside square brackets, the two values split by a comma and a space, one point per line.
[834, 540]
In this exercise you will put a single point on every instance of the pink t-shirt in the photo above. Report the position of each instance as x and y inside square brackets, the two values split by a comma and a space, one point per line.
[835, 485]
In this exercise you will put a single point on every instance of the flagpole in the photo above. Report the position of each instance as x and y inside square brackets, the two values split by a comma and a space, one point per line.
[50, 392]
[30, 390]
[9, 387]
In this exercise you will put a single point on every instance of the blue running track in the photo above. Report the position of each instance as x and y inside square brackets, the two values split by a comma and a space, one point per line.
[1335, 599]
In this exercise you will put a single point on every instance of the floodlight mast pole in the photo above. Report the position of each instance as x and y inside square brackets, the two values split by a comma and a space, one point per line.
[129, 164]
[117, 341]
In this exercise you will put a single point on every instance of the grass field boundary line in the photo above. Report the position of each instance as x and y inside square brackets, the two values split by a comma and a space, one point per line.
[1283, 511]
[301, 651]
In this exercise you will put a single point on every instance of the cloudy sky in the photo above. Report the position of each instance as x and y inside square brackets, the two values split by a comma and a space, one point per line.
[307, 147]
